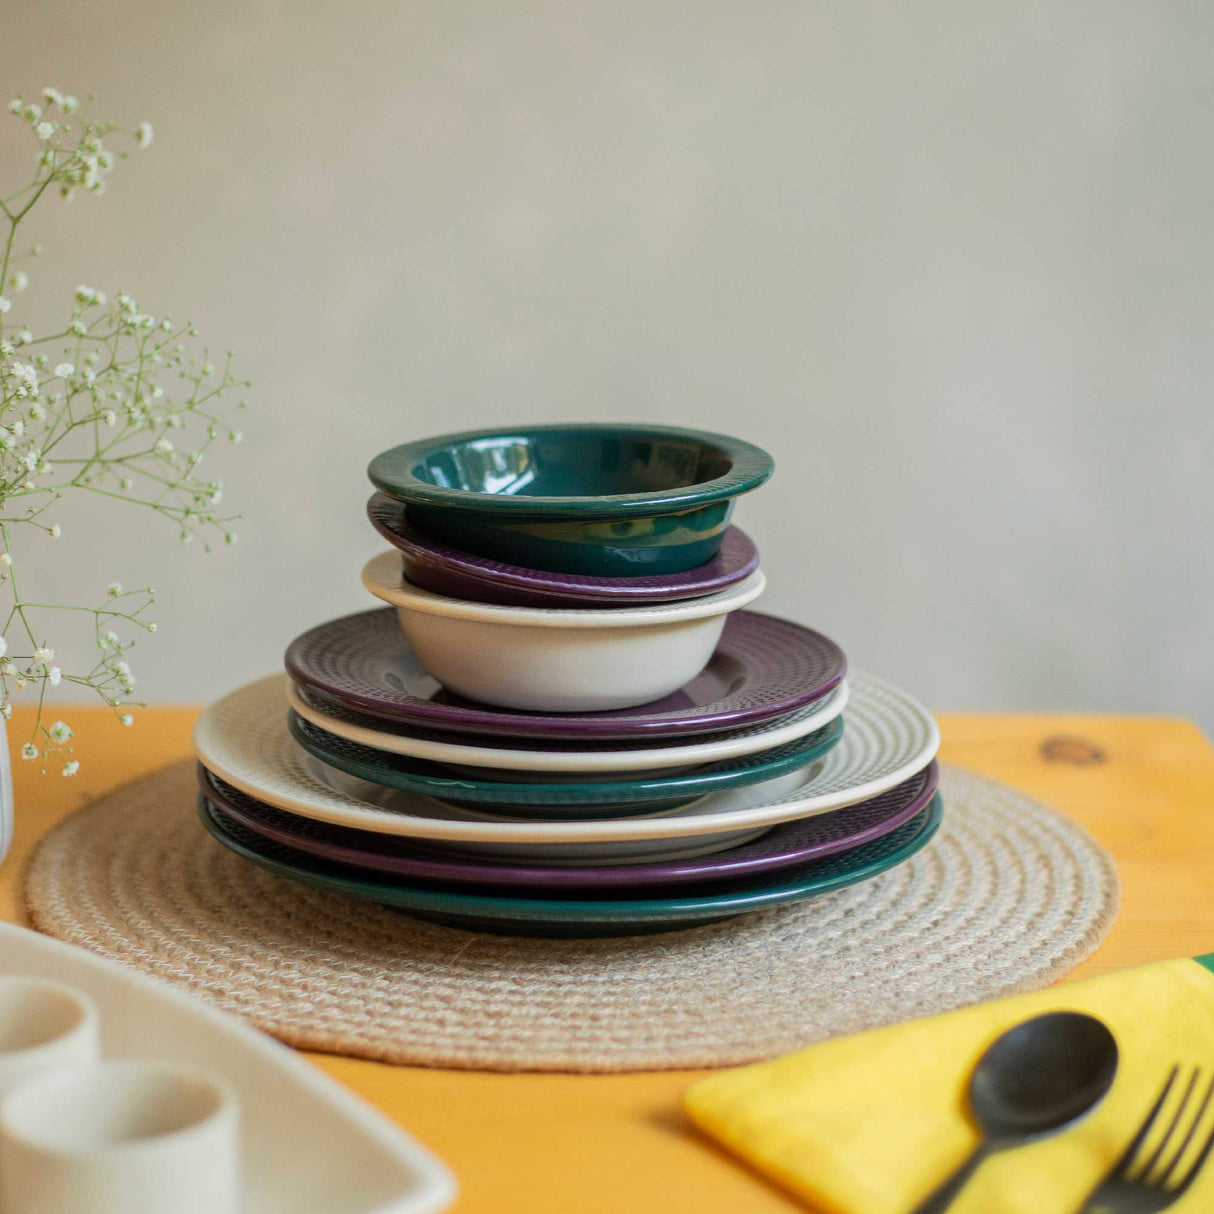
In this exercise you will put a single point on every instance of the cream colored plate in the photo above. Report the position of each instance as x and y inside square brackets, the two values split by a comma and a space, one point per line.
[243, 739]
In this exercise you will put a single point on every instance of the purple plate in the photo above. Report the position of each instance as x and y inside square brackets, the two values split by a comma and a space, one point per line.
[763, 667]
[445, 570]
[388, 855]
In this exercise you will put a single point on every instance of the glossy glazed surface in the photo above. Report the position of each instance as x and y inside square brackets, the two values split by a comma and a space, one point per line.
[545, 660]
[598, 500]
[569, 916]
[572, 471]
[508, 754]
[565, 799]
[762, 668]
[785, 845]
[446, 570]
[243, 739]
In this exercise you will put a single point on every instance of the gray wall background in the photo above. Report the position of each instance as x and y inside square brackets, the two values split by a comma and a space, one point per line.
[951, 262]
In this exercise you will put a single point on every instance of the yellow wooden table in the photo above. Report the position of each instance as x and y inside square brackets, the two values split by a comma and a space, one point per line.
[574, 1143]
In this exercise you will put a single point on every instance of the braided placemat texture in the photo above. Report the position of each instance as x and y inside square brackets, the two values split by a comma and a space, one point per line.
[1009, 897]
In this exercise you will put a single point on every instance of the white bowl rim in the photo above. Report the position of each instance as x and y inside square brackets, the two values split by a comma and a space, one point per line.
[382, 576]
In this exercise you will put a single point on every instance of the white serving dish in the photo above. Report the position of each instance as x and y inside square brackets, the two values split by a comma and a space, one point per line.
[607, 757]
[243, 739]
[558, 660]
[307, 1143]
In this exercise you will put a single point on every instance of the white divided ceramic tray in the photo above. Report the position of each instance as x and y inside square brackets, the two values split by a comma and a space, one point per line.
[887, 738]
[307, 1144]
[751, 739]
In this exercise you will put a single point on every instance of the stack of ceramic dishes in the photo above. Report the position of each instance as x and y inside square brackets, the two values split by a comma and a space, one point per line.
[567, 720]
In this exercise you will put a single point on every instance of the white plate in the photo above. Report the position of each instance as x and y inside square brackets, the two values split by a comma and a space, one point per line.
[306, 1142]
[608, 757]
[243, 739]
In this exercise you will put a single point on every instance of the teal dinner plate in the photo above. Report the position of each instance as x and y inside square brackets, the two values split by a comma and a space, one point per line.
[585, 798]
[606, 500]
[565, 916]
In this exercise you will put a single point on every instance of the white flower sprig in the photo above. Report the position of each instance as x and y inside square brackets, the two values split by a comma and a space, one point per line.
[88, 411]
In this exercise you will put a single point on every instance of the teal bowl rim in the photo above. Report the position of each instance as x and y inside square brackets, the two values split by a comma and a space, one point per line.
[818, 877]
[390, 472]
[432, 780]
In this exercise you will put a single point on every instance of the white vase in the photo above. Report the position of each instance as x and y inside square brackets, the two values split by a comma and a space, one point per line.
[6, 792]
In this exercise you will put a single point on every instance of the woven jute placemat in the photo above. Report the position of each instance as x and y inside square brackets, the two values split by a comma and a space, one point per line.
[1008, 897]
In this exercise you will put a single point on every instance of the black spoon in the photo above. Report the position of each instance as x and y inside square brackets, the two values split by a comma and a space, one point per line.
[1036, 1079]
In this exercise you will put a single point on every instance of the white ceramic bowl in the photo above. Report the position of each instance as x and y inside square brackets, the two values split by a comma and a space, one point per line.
[546, 660]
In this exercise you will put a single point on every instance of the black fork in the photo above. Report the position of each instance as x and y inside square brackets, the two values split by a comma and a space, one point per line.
[1136, 1185]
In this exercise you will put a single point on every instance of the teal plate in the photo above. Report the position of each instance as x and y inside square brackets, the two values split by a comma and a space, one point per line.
[586, 798]
[582, 917]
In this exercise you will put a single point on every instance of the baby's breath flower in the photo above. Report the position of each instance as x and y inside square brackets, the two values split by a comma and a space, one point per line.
[16, 105]
[65, 370]
[144, 135]
[44, 130]
[54, 531]
[110, 638]
[70, 105]
[5, 304]
[164, 447]
[152, 626]
[126, 719]
[6, 559]
[3, 646]
[20, 683]
[230, 537]
[88, 296]
[110, 417]
[52, 96]
[114, 589]
[32, 112]
[53, 675]
[60, 732]
[29, 752]
[18, 280]
[44, 653]
[70, 769]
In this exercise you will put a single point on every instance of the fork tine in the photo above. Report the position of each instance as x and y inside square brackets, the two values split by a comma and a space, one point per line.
[1122, 1164]
[1184, 1144]
[1157, 1153]
[1202, 1155]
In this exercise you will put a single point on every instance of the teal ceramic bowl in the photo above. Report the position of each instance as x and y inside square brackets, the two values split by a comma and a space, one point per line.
[603, 500]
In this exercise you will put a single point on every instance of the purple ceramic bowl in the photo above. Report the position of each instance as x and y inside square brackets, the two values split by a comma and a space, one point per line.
[439, 568]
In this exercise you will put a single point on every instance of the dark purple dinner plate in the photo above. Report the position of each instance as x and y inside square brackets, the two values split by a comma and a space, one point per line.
[438, 567]
[763, 667]
[388, 855]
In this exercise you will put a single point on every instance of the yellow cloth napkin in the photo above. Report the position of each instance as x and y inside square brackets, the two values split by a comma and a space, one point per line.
[870, 1124]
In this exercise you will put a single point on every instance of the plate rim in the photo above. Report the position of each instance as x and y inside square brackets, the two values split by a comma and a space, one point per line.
[469, 869]
[503, 722]
[763, 736]
[341, 809]
[608, 910]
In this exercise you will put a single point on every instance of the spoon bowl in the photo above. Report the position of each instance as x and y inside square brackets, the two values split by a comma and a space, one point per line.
[1042, 1075]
